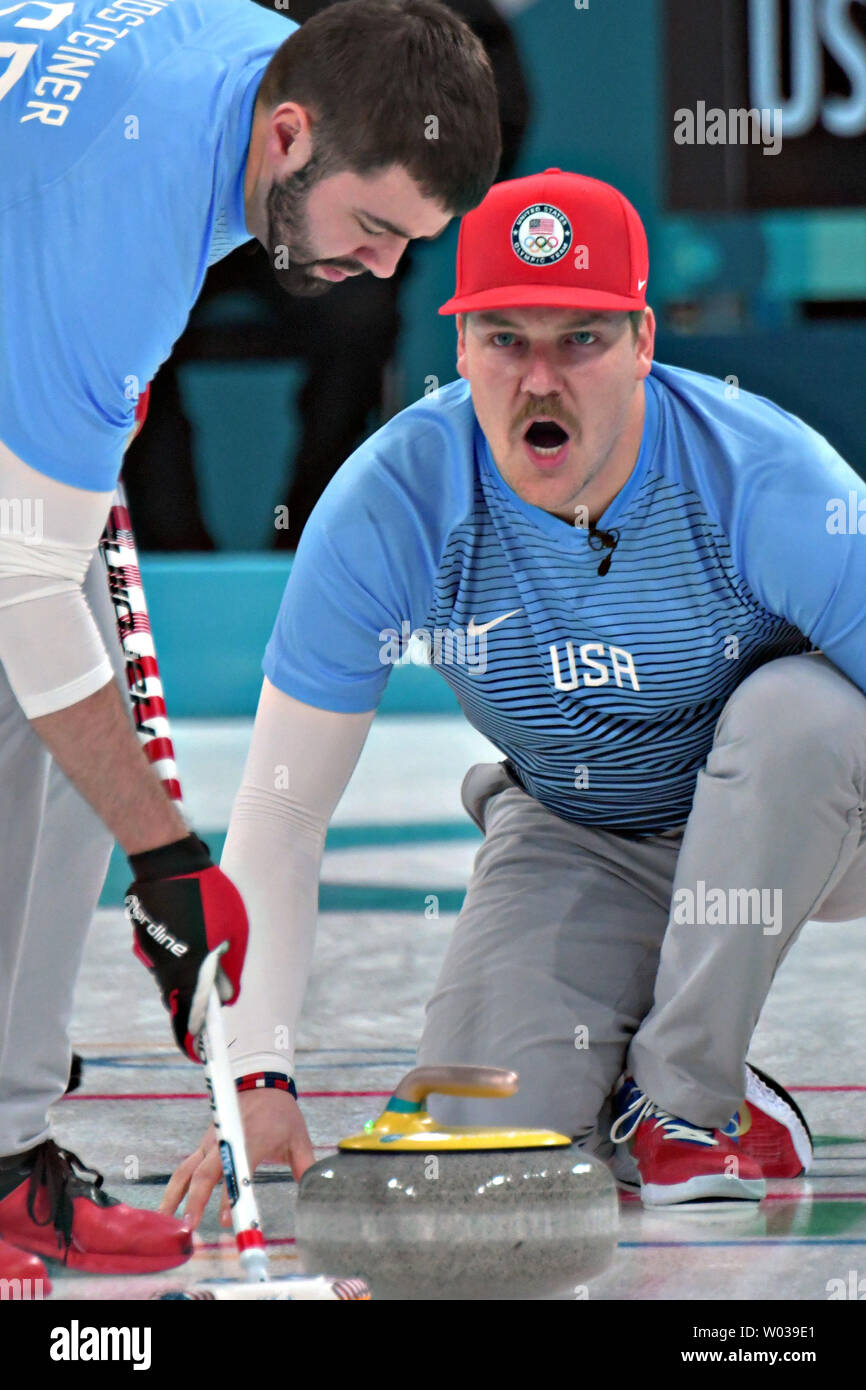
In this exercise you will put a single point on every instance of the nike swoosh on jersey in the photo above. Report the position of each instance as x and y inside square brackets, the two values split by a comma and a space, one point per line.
[474, 630]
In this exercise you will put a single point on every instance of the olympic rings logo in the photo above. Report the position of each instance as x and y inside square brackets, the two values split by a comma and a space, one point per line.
[541, 245]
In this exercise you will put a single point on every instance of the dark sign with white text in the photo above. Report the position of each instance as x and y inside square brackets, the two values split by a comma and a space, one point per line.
[765, 104]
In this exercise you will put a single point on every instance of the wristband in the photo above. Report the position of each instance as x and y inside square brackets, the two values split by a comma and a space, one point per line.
[267, 1080]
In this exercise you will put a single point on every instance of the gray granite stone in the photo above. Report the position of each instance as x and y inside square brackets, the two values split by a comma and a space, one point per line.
[521, 1223]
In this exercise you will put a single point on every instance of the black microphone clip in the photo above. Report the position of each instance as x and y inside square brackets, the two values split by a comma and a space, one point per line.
[603, 540]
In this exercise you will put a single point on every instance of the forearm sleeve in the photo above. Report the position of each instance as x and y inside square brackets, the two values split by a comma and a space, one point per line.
[50, 646]
[299, 763]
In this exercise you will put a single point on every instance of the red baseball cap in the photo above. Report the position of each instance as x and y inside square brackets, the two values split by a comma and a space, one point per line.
[555, 239]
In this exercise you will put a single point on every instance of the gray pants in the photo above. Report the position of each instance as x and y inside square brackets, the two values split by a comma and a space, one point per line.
[580, 953]
[54, 854]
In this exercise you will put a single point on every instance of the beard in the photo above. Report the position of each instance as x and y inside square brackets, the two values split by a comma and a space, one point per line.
[292, 254]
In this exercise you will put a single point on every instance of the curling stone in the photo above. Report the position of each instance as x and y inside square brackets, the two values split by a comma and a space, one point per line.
[421, 1211]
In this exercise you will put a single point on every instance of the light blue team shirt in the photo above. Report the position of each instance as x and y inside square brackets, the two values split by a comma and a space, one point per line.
[124, 130]
[738, 543]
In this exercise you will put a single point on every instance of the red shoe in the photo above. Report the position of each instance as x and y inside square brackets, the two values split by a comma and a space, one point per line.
[22, 1276]
[53, 1206]
[771, 1128]
[679, 1162]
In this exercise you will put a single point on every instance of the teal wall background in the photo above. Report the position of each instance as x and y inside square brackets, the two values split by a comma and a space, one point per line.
[244, 426]
[212, 616]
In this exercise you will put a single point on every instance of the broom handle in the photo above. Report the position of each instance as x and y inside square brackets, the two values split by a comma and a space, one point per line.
[151, 723]
[223, 1097]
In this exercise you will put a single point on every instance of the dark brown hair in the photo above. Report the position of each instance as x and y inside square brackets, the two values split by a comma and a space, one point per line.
[401, 82]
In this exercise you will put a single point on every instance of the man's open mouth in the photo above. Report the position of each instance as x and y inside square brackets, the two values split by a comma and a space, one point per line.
[546, 437]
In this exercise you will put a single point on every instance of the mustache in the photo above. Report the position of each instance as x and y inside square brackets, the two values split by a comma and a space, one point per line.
[550, 411]
[350, 267]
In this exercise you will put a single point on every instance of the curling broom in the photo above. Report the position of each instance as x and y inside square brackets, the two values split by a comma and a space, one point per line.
[151, 723]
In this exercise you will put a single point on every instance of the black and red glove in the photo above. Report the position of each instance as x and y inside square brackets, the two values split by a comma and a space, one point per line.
[190, 928]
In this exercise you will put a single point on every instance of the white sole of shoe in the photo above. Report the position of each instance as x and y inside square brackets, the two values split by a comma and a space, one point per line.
[762, 1095]
[710, 1187]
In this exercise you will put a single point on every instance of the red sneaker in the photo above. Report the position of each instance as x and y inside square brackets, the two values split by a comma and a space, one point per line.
[771, 1128]
[679, 1162]
[22, 1276]
[51, 1205]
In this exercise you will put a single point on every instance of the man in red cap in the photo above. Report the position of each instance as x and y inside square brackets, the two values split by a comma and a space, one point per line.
[624, 571]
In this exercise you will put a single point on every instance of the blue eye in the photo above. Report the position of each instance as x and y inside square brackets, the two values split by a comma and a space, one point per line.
[497, 336]
[587, 337]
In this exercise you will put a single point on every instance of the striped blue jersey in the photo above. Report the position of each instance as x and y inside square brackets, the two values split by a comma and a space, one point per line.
[124, 131]
[742, 538]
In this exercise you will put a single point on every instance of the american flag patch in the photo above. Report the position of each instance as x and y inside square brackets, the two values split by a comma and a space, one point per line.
[542, 224]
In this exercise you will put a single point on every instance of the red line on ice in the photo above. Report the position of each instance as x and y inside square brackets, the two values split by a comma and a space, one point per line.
[201, 1095]
[827, 1088]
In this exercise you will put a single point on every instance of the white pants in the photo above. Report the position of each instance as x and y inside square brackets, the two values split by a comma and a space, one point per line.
[54, 854]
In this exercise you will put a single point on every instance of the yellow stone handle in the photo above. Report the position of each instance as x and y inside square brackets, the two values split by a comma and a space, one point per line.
[456, 1081]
